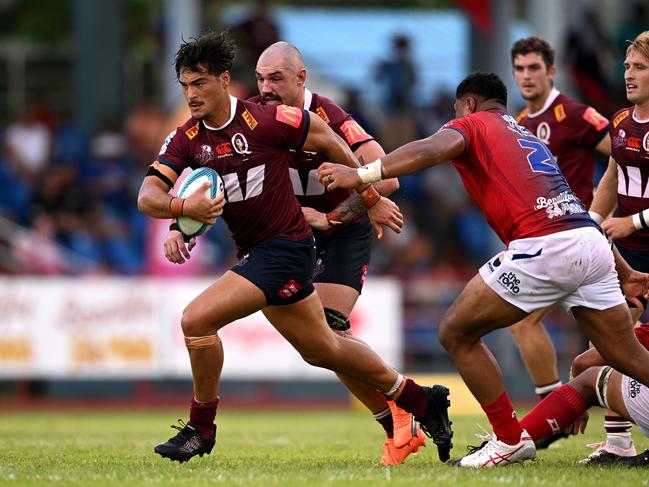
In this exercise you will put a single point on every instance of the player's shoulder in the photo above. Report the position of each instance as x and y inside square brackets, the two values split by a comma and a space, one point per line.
[523, 115]
[620, 116]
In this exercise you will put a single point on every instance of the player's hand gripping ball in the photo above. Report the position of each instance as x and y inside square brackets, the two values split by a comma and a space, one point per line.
[189, 226]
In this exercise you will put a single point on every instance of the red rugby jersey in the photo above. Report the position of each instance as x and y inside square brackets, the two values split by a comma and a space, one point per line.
[630, 149]
[251, 154]
[514, 178]
[571, 130]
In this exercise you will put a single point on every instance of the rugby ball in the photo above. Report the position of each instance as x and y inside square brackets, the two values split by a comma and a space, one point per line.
[189, 226]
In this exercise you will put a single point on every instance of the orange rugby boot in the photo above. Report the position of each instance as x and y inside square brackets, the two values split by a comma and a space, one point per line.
[405, 426]
[396, 456]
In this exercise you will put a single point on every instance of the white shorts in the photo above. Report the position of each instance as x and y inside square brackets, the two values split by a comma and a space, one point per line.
[574, 268]
[636, 400]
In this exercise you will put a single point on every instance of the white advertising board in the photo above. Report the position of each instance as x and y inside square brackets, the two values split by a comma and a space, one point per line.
[123, 327]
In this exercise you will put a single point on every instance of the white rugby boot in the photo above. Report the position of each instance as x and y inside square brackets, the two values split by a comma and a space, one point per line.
[495, 453]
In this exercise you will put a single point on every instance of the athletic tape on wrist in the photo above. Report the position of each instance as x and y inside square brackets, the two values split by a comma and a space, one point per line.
[370, 173]
[597, 218]
[640, 220]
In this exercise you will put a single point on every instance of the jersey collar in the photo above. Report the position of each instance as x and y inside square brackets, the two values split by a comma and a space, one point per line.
[549, 101]
[308, 98]
[233, 109]
[633, 115]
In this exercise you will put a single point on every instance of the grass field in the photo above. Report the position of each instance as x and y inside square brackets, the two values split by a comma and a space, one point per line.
[267, 448]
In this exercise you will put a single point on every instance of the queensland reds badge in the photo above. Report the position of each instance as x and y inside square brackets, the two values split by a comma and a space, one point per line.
[543, 132]
[240, 144]
[645, 142]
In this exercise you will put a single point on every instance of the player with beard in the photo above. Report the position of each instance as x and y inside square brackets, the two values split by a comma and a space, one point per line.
[574, 133]
[274, 242]
[339, 222]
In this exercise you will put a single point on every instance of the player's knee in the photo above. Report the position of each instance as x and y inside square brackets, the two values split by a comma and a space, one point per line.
[448, 334]
[192, 325]
[323, 354]
[582, 362]
[337, 321]
[591, 385]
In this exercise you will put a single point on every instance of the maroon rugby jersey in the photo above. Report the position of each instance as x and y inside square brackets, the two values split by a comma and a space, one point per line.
[514, 178]
[304, 165]
[630, 149]
[571, 130]
[251, 153]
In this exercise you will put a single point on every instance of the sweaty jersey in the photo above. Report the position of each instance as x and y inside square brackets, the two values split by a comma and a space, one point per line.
[630, 149]
[514, 178]
[304, 164]
[251, 153]
[571, 130]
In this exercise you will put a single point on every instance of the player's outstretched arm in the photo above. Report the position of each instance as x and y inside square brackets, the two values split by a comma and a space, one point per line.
[413, 157]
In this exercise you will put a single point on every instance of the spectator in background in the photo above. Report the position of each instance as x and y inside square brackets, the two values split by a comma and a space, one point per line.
[253, 35]
[587, 48]
[28, 146]
[398, 79]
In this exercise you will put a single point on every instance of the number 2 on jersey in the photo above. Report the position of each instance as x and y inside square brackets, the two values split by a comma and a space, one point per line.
[540, 158]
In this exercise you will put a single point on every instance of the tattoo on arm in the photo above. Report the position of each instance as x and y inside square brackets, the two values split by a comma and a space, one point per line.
[351, 208]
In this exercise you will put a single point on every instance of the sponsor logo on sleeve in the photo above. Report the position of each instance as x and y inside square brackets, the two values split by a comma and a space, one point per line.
[192, 132]
[289, 115]
[322, 114]
[249, 119]
[595, 118]
[353, 132]
[521, 116]
[163, 149]
[620, 117]
[240, 144]
[559, 112]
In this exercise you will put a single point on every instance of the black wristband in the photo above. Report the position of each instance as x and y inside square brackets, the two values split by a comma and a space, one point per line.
[174, 226]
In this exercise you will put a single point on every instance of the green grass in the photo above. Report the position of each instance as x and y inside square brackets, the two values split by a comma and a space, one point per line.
[266, 449]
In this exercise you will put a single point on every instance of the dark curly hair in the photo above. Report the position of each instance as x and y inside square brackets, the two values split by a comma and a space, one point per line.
[215, 51]
[534, 44]
[485, 85]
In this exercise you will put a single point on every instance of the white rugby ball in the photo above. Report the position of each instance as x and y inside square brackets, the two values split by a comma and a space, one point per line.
[189, 226]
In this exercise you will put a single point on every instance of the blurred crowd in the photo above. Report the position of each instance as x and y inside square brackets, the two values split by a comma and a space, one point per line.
[68, 198]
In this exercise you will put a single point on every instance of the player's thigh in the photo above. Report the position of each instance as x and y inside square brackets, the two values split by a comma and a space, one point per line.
[303, 325]
[230, 298]
[477, 311]
[527, 324]
[614, 395]
[610, 331]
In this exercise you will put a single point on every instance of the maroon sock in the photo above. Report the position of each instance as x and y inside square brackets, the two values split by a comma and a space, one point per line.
[384, 418]
[554, 413]
[503, 420]
[201, 416]
[413, 400]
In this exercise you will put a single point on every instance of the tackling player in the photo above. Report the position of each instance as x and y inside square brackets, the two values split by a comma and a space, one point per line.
[555, 253]
[274, 242]
[573, 132]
